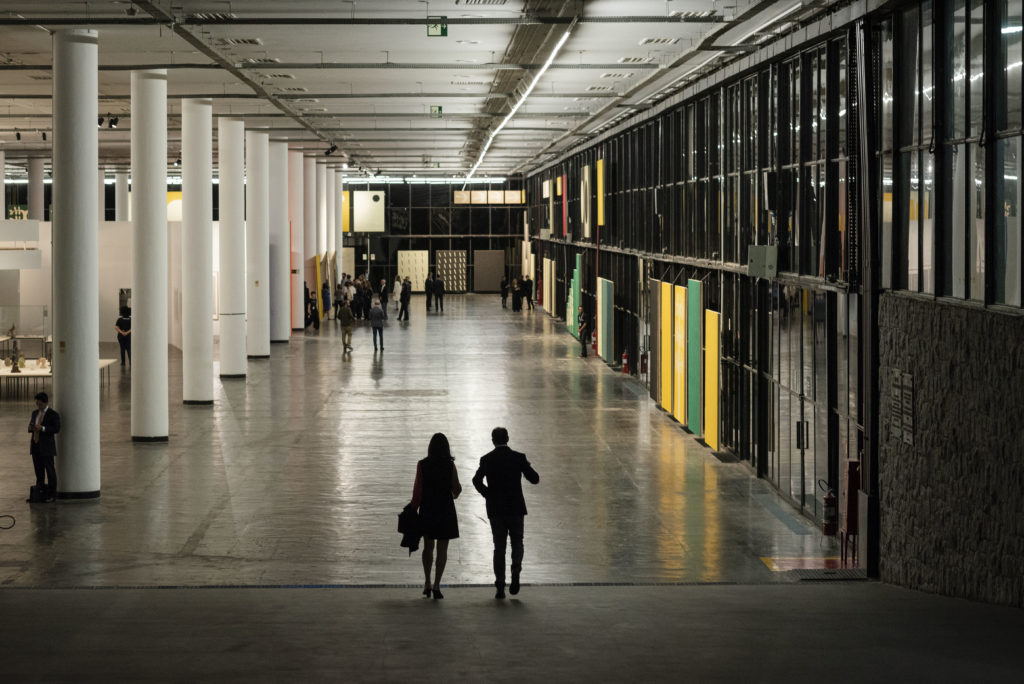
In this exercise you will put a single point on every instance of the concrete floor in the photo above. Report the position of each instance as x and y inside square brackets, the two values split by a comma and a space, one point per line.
[259, 543]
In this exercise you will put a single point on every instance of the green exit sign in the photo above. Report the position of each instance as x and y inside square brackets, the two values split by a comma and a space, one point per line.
[437, 26]
[435, 111]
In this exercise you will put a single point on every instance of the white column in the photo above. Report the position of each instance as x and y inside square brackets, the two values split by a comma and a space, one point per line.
[230, 153]
[35, 187]
[280, 245]
[149, 255]
[339, 219]
[295, 207]
[197, 251]
[121, 196]
[257, 244]
[331, 213]
[102, 195]
[76, 382]
[321, 209]
[309, 218]
[3, 187]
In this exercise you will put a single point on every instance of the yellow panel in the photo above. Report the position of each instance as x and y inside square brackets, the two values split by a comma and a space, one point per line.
[478, 196]
[680, 355]
[711, 378]
[666, 346]
[345, 227]
[495, 196]
[600, 192]
[558, 186]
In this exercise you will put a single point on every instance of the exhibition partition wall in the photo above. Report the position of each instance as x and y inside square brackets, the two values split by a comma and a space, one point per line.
[693, 359]
[679, 355]
[574, 300]
[606, 319]
[666, 346]
[711, 378]
[654, 359]
[414, 263]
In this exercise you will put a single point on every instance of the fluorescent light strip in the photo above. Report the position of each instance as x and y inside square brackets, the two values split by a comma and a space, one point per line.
[777, 17]
[515, 108]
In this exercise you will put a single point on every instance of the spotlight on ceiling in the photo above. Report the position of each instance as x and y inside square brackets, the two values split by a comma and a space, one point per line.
[331, 150]
[17, 135]
[44, 136]
[344, 165]
[99, 122]
[113, 122]
[177, 162]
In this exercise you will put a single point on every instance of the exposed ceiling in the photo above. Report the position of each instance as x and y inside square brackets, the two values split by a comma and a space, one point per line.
[364, 75]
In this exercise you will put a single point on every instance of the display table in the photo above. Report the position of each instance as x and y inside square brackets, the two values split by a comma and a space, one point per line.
[29, 379]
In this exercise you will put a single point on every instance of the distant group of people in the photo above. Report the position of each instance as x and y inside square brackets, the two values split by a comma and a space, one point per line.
[522, 291]
[355, 298]
[498, 479]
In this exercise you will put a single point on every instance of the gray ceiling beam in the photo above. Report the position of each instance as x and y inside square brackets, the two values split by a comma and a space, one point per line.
[319, 20]
[277, 66]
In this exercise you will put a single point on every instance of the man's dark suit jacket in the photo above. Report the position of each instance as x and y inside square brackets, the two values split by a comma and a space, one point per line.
[51, 426]
[504, 470]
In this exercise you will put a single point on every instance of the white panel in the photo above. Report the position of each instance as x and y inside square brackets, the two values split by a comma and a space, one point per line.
[368, 211]
[17, 259]
[585, 201]
[414, 264]
[19, 231]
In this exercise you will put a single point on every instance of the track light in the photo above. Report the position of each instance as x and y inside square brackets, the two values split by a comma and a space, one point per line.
[17, 135]
[99, 122]
[177, 162]
[44, 136]
[331, 150]
[113, 122]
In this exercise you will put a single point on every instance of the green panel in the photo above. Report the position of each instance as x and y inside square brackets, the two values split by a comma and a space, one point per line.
[693, 365]
[573, 300]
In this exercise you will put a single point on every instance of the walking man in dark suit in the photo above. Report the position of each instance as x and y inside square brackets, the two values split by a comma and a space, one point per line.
[439, 294]
[504, 469]
[428, 287]
[43, 425]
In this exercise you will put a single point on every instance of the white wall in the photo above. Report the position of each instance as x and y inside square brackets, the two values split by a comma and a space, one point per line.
[115, 272]
[115, 269]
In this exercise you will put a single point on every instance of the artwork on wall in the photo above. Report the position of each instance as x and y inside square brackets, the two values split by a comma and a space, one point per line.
[450, 265]
[693, 361]
[654, 362]
[414, 263]
[606, 319]
[711, 378]
[600, 192]
[573, 300]
[679, 354]
[585, 200]
[460, 197]
[667, 349]
[368, 211]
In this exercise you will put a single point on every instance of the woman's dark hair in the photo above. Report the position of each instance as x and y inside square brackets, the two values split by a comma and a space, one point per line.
[438, 450]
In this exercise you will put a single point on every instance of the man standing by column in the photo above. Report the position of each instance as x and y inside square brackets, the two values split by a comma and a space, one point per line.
[44, 424]
[428, 288]
[506, 508]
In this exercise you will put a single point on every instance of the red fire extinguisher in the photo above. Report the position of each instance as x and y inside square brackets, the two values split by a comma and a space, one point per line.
[829, 523]
[593, 342]
[625, 362]
[643, 363]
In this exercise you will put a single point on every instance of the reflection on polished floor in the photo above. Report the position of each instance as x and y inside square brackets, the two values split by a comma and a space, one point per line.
[296, 474]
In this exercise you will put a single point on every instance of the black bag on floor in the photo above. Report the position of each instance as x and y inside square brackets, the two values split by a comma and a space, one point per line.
[38, 493]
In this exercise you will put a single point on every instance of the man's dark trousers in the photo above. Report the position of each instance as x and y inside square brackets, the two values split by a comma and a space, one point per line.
[504, 527]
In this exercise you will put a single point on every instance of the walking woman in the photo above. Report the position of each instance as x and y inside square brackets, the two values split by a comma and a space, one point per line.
[437, 486]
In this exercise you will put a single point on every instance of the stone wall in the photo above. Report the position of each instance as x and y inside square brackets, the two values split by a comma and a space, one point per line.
[952, 502]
